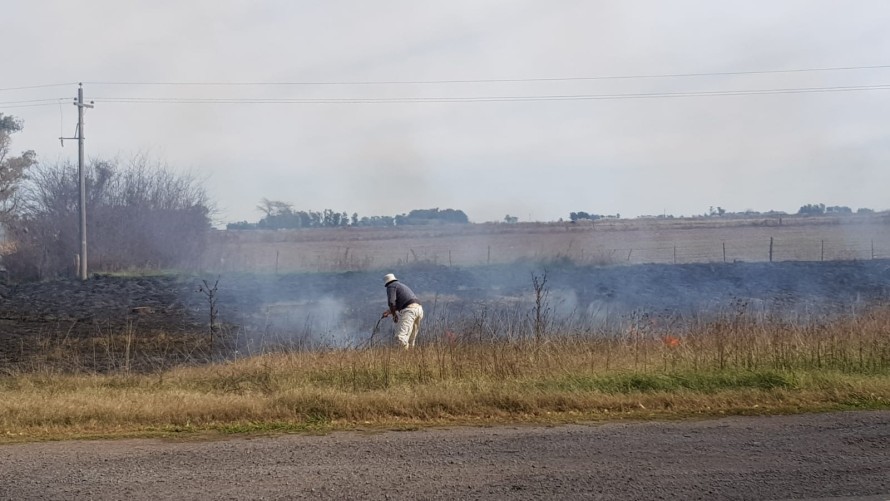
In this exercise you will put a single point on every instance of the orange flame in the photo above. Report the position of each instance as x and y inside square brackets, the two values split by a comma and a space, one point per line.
[671, 341]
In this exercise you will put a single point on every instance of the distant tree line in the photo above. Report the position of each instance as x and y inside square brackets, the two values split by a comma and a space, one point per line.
[578, 216]
[821, 209]
[805, 210]
[432, 216]
[280, 215]
[584, 216]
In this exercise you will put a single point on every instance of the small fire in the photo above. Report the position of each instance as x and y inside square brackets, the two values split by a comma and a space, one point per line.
[671, 341]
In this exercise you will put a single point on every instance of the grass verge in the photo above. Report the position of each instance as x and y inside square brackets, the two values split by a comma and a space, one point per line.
[563, 380]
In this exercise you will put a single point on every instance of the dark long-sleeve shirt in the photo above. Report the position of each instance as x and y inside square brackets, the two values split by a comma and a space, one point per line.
[399, 295]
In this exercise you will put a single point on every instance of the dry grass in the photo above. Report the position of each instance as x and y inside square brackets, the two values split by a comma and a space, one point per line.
[735, 365]
[604, 242]
[108, 349]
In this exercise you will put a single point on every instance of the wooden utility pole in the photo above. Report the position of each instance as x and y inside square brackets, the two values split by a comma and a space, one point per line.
[82, 271]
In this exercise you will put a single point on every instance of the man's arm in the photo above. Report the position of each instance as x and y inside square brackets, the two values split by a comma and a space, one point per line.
[391, 301]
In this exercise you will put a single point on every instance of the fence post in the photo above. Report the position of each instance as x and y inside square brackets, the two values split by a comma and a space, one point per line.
[675, 254]
[724, 252]
[872, 249]
[822, 257]
[771, 249]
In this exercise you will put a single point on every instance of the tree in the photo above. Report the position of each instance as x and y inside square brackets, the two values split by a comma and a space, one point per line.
[12, 169]
[377, 221]
[138, 214]
[274, 207]
[812, 210]
[281, 216]
[838, 209]
[511, 219]
[432, 216]
[577, 216]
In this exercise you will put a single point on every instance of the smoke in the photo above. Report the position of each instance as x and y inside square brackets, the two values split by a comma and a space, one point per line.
[340, 309]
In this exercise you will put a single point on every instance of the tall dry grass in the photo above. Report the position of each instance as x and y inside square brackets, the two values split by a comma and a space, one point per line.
[736, 364]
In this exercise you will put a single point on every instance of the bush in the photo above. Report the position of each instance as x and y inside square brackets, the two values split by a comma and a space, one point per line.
[138, 215]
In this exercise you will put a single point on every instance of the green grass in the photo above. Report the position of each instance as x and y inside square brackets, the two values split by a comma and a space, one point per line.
[704, 383]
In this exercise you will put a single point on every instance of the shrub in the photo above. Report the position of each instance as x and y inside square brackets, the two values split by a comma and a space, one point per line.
[138, 215]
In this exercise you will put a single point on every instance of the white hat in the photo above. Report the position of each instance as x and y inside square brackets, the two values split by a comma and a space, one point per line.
[389, 278]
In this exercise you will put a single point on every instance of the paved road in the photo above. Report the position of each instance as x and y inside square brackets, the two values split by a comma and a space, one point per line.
[820, 456]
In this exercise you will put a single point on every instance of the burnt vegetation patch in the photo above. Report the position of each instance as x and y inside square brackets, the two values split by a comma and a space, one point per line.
[112, 322]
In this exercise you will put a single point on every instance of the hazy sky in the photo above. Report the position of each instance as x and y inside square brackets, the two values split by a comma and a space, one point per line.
[536, 159]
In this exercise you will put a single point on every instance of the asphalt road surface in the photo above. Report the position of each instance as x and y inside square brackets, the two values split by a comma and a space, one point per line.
[814, 456]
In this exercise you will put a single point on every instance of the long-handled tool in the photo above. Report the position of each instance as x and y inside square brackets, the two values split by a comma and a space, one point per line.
[373, 332]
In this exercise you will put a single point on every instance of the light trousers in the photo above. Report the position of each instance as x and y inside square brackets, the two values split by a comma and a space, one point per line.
[409, 324]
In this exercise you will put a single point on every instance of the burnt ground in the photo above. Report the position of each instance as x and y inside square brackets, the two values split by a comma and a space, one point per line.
[810, 456]
[345, 305]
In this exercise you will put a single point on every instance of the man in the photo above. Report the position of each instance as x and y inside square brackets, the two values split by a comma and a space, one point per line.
[404, 308]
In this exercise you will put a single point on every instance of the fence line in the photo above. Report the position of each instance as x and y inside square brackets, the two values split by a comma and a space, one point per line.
[829, 243]
[769, 250]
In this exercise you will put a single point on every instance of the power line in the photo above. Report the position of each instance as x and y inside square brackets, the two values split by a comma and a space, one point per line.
[451, 99]
[460, 81]
[31, 103]
[40, 86]
[28, 105]
[472, 99]
[27, 101]
[499, 80]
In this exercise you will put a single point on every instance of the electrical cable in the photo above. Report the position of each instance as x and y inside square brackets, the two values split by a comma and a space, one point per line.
[27, 101]
[471, 99]
[40, 86]
[503, 80]
[465, 81]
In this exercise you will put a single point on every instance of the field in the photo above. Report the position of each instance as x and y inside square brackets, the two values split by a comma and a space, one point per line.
[604, 242]
[289, 343]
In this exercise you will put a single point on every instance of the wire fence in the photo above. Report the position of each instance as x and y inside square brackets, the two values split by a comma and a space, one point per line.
[613, 248]
[620, 249]
[772, 249]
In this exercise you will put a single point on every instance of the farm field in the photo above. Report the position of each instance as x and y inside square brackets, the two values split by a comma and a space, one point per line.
[327, 286]
[144, 353]
[603, 242]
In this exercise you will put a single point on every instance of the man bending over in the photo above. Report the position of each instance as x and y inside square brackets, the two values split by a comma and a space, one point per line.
[404, 308]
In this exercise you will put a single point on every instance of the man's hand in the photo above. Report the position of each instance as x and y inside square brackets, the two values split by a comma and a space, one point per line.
[386, 314]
